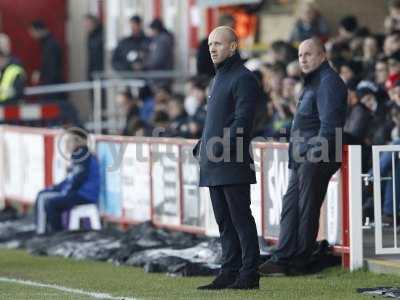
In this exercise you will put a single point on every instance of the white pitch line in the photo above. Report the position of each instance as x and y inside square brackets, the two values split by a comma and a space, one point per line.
[65, 289]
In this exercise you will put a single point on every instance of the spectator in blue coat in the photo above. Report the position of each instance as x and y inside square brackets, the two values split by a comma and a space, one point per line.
[81, 186]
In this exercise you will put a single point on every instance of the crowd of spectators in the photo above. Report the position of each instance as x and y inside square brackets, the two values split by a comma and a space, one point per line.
[368, 62]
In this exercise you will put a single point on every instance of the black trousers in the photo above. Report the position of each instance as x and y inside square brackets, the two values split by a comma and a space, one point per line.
[237, 228]
[301, 207]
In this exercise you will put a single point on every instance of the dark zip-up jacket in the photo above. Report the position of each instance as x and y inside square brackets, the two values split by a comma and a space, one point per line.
[319, 119]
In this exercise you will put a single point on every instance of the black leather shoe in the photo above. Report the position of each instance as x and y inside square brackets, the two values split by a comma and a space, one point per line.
[222, 281]
[250, 283]
[272, 268]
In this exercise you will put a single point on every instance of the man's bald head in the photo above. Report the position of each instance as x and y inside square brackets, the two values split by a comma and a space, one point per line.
[311, 55]
[313, 42]
[222, 43]
[227, 32]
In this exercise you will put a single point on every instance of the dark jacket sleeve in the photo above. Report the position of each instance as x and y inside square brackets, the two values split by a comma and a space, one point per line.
[52, 64]
[331, 103]
[119, 62]
[246, 91]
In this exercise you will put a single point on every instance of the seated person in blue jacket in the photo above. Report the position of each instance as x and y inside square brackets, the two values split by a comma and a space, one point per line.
[81, 186]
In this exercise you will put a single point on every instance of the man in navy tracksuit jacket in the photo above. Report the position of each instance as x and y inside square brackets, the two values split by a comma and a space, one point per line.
[80, 187]
[314, 156]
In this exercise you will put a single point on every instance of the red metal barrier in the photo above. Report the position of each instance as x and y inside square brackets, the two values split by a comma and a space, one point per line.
[49, 151]
[29, 112]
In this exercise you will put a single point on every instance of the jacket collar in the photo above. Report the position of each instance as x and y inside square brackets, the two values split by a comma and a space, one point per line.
[228, 63]
[314, 74]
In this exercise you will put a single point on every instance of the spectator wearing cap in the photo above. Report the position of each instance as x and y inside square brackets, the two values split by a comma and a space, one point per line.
[131, 51]
[161, 54]
[358, 120]
[51, 68]
[310, 24]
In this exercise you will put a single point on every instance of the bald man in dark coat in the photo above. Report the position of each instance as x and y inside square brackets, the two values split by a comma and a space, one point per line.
[314, 156]
[226, 165]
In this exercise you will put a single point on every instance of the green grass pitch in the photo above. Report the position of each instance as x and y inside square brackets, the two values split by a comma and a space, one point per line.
[89, 276]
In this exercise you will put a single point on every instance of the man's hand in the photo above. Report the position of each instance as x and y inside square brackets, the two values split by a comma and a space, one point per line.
[35, 78]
